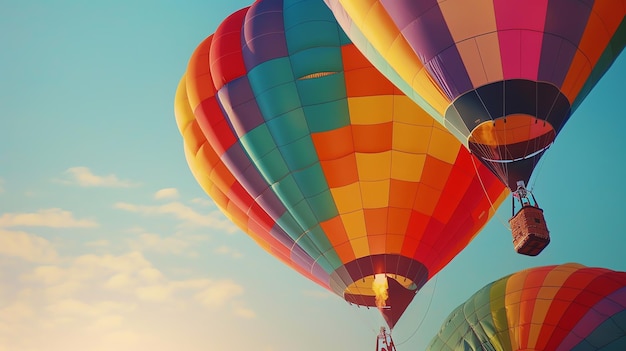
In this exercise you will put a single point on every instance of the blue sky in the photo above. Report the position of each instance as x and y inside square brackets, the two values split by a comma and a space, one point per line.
[106, 240]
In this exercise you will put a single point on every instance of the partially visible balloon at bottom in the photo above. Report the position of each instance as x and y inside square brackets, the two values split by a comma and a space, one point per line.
[560, 308]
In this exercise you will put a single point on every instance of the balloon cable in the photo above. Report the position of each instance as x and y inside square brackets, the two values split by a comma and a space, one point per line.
[540, 164]
[495, 210]
[364, 320]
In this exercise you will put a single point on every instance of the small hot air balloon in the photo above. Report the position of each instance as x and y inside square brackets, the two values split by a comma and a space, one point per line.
[503, 76]
[322, 161]
[562, 308]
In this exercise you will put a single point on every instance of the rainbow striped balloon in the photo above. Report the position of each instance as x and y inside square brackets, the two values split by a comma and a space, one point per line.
[558, 308]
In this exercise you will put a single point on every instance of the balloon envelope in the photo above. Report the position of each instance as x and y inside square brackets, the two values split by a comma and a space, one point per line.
[561, 307]
[503, 76]
[327, 165]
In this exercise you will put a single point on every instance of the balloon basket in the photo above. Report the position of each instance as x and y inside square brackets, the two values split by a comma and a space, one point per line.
[384, 341]
[528, 227]
[530, 233]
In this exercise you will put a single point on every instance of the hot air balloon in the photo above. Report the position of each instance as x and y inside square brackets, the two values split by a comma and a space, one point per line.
[503, 76]
[560, 307]
[322, 161]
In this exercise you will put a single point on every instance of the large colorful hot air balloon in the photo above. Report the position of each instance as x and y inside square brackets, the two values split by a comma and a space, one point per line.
[503, 76]
[320, 159]
[561, 308]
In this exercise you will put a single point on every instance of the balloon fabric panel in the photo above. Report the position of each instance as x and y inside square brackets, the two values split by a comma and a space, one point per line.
[323, 161]
[603, 41]
[203, 161]
[248, 113]
[263, 194]
[226, 62]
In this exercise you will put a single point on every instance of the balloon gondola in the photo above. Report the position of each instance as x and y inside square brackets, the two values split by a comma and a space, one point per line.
[528, 225]
[384, 342]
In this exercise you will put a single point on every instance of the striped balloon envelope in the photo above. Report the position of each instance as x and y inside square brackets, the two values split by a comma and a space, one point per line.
[322, 161]
[559, 308]
[503, 76]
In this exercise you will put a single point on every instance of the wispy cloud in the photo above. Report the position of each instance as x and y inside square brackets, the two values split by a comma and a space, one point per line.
[228, 251]
[73, 300]
[76, 307]
[218, 293]
[99, 243]
[53, 218]
[16, 311]
[167, 193]
[83, 176]
[182, 212]
[26, 246]
[164, 245]
[132, 275]
[202, 201]
[243, 311]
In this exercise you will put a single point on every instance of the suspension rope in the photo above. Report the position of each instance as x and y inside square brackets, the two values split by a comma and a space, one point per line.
[365, 321]
[539, 165]
[506, 168]
[425, 314]
[495, 212]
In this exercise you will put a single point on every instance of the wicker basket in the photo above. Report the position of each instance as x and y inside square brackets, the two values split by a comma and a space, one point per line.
[530, 232]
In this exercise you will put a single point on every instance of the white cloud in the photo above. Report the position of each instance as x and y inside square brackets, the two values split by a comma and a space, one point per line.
[182, 212]
[67, 288]
[83, 176]
[243, 311]
[71, 307]
[130, 275]
[150, 274]
[180, 243]
[53, 218]
[120, 281]
[202, 201]
[130, 262]
[47, 274]
[99, 302]
[156, 243]
[228, 251]
[98, 243]
[167, 193]
[17, 310]
[26, 246]
[155, 293]
[219, 293]
[81, 301]
[108, 322]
